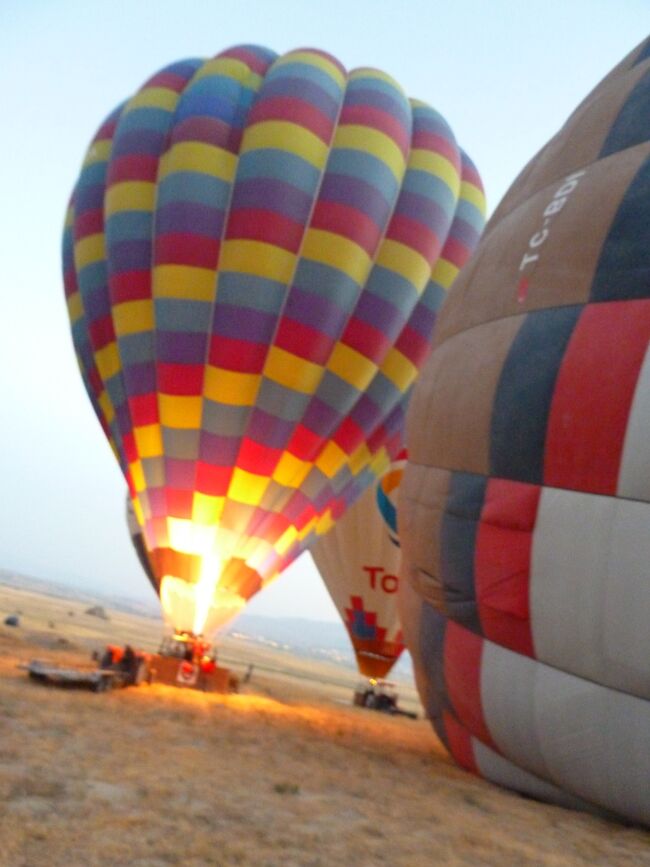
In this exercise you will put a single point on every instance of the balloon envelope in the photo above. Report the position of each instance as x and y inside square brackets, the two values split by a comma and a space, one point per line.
[359, 564]
[525, 506]
[137, 540]
[386, 495]
[254, 254]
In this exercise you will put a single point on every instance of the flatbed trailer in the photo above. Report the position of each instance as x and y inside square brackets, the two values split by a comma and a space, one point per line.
[97, 679]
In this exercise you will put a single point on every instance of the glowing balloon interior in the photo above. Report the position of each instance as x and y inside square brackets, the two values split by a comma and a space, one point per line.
[254, 254]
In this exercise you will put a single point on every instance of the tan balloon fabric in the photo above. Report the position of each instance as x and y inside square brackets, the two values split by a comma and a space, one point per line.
[456, 399]
[423, 496]
[360, 567]
[535, 258]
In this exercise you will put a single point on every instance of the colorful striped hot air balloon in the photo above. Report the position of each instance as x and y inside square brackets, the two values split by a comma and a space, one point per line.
[254, 254]
[524, 509]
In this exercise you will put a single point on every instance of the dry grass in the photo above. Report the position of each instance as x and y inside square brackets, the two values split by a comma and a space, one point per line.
[283, 775]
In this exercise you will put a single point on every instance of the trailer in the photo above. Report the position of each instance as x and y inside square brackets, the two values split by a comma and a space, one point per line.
[380, 695]
[97, 679]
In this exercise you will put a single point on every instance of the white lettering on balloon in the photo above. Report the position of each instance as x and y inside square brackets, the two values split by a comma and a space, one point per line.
[536, 241]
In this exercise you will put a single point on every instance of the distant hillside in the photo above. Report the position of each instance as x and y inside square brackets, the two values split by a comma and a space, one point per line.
[45, 587]
[312, 638]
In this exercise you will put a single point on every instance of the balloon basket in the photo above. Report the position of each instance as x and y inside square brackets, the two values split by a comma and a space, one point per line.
[189, 661]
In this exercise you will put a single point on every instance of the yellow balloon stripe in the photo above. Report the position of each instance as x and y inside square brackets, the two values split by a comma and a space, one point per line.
[89, 250]
[257, 258]
[331, 459]
[98, 152]
[75, 307]
[444, 273]
[206, 509]
[288, 137]
[291, 471]
[350, 365]
[179, 411]
[365, 72]
[372, 141]
[229, 67]
[399, 369]
[405, 261]
[315, 60]
[137, 475]
[153, 97]
[133, 317]
[291, 371]
[473, 194]
[230, 387]
[194, 156]
[337, 252]
[106, 406]
[130, 196]
[438, 166]
[148, 441]
[107, 360]
[184, 281]
[247, 487]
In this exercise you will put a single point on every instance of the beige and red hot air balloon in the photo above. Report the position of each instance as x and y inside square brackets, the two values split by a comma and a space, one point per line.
[525, 506]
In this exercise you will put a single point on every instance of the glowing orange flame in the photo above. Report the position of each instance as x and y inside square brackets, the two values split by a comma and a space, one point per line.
[201, 607]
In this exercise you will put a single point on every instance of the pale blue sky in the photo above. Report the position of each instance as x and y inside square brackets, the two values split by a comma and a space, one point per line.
[505, 73]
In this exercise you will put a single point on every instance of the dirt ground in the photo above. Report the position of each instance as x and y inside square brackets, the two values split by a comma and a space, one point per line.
[282, 775]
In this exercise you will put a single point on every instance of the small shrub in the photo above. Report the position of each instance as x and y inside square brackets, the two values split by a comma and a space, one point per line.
[286, 788]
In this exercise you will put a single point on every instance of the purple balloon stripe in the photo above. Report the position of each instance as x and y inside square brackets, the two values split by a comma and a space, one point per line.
[424, 210]
[140, 378]
[323, 499]
[157, 502]
[315, 311]
[423, 320]
[138, 141]
[256, 326]
[300, 88]
[191, 217]
[89, 197]
[359, 93]
[272, 195]
[181, 347]
[132, 255]
[221, 451]
[296, 505]
[269, 430]
[96, 303]
[425, 118]
[180, 474]
[320, 416]
[123, 417]
[464, 232]
[356, 193]
[210, 130]
[366, 414]
[380, 313]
